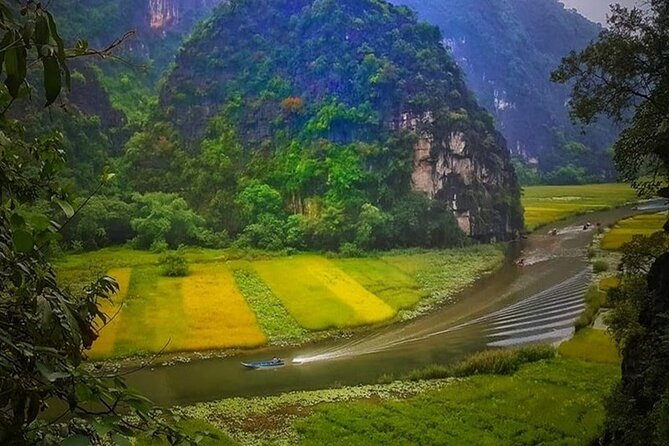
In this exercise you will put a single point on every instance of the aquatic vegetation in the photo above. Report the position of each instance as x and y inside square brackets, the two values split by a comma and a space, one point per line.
[591, 345]
[319, 295]
[556, 400]
[488, 362]
[104, 346]
[277, 324]
[442, 274]
[624, 230]
[547, 204]
[269, 420]
[386, 281]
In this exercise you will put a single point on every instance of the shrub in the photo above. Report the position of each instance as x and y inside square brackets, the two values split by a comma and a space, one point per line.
[592, 252]
[173, 264]
[159, 246]
[350, 250]
[488, 362]
[594, 300]
[104, 221]
[167, 217]
[600, 266]
[77, 246]
[266, 233]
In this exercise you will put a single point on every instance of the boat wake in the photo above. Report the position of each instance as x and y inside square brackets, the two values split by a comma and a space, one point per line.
[546, 316]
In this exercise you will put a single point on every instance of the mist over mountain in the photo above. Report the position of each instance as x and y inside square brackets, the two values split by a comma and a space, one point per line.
[597, 10]
[508, 49]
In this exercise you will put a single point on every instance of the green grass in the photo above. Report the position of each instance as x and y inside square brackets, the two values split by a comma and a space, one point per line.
[624, 230]
[594, 300]
[547, 204]
[152, 314]
[279, 326]
[383, 279]
[591, 345]
[549, 402]
[526, 396]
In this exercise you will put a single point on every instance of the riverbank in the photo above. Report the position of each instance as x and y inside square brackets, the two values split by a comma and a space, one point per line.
[560, 400]
[236, 300]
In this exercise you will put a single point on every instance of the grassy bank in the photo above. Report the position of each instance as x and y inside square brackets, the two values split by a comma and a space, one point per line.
[547, 204]
[245, 300]
[502, 397]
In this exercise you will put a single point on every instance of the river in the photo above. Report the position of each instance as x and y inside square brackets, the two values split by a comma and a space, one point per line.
[536, 303]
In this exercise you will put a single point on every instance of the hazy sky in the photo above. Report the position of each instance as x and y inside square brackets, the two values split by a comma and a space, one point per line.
[596, 10]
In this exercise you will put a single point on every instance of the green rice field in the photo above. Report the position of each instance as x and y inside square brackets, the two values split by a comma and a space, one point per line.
[547, 204]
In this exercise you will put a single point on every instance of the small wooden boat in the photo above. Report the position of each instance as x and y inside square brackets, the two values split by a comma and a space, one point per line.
[274, 363]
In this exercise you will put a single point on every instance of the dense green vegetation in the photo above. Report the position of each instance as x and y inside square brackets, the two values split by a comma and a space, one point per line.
[560, 400]
[508, 49]
[45, 329]
[318, 143]
[624, 76]
[315, 150]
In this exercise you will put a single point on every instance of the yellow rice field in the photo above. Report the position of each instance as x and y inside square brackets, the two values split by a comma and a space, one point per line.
[644, 224]
[319, 295]
[216, 313]
[396, 288]
[104, 346]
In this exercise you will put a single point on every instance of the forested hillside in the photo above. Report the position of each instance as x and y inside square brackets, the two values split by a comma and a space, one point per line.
[330, 125]
[347, 116]
[508, 49]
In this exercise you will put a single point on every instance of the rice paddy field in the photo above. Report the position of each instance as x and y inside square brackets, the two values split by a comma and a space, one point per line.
[228, 301]
[621, 233]
[546, 204]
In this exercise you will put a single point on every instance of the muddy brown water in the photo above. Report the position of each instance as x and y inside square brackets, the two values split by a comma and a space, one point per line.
[536, 303]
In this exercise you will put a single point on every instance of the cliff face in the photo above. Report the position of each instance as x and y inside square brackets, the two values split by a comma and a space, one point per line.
[349, 72]
[508, 49]
[173, 14]
[159, 25]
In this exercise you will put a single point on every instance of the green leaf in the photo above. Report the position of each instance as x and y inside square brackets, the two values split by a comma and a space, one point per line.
[23, 241]
[41, 31]
[66, 207]
[120, 440]
[76, 440]
[52, 79]
[102, 428]
[108, 177]
[15, 64]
